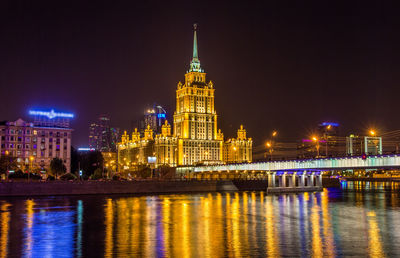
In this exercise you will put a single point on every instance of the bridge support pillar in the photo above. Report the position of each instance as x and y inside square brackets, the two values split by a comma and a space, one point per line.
[319, 180]
[301, 178]
[310, 180]
[282, 180]
[292, 180]
[271, 179]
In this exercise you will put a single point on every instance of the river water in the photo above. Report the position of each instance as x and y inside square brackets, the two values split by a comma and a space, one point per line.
[361, 219]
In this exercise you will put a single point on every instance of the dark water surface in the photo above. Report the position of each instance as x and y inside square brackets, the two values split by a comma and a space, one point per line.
[362, 220]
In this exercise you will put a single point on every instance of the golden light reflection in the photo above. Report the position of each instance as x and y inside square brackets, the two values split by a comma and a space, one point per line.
[204, 229]
[135, 217]
[254, 219]
[229, 236]
[374, 240]
[235, 215]
[166, 221]
[150, 226]
[272, 235]
[306, 196]
[245, 212]
[122, 225]
[329, 244]
[29, 224]
[216, 230]
[109, 228]
[316, 237]
[185, 230]
[5, 220]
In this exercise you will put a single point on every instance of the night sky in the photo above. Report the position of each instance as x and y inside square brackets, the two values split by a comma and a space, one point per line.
[281, 65]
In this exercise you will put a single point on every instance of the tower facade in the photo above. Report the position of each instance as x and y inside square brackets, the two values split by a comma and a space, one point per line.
[195, 118]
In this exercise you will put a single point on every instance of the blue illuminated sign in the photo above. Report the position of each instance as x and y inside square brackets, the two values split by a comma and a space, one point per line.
[329, 123]
[161, 115]
[50, 114]
[151, 160]
[86, 149]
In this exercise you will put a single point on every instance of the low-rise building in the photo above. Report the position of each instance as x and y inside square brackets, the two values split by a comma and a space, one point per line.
[166, 146]
[35, 144]
[147, 150]
[238, 150]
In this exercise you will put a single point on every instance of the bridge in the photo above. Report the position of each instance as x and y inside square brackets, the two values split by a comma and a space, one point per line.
[302, 174]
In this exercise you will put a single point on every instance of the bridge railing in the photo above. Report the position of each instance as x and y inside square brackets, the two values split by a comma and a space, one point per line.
[379, 161]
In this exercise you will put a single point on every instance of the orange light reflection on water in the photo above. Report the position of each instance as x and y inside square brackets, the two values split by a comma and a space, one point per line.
[272, 235]
[375, 243]
[108, 210]
[5, 220]
[29, 223]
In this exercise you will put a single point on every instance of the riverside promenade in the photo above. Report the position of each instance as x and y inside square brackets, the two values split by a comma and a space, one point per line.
[38, 188]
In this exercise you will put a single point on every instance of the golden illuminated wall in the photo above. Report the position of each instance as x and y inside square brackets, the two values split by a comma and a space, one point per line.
[135, 151]
[195, 117]
[195, 121]
[166, 147]
[238, 150]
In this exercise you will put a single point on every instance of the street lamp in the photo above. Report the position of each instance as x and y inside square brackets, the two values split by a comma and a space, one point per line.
[29, 172]
[372, 132]
[269, 147]
[316, 140]
[8, 162]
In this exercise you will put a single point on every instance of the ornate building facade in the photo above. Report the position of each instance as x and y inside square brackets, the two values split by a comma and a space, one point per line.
[196, 138]
[195, 118]
[238, 150]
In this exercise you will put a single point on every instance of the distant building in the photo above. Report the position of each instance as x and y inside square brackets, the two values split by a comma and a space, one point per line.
[358, 145]
[154, 118]
[35, 144]
[238, 150]
[326, 142]
[102, 136]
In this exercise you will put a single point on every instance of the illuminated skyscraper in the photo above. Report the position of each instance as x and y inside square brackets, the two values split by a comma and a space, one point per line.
[102, 136]
[154, 117]
[195, 119]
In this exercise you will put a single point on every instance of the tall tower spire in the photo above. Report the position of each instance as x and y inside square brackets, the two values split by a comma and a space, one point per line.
[195, 63]
[195, 53]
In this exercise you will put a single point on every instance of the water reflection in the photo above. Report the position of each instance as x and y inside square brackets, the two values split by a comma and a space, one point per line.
[375, 243]
[5, 227]
[331, 223]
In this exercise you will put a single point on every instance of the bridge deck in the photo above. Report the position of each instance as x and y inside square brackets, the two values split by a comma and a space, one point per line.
[379, 161]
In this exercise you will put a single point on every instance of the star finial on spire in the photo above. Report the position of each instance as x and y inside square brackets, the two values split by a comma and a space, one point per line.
[195, 63]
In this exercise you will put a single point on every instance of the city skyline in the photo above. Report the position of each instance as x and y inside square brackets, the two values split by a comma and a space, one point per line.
[315, 66]
[199, 129]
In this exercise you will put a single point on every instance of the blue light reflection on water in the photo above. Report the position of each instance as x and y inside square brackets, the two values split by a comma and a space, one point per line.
[360, 221]
[49, 231]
